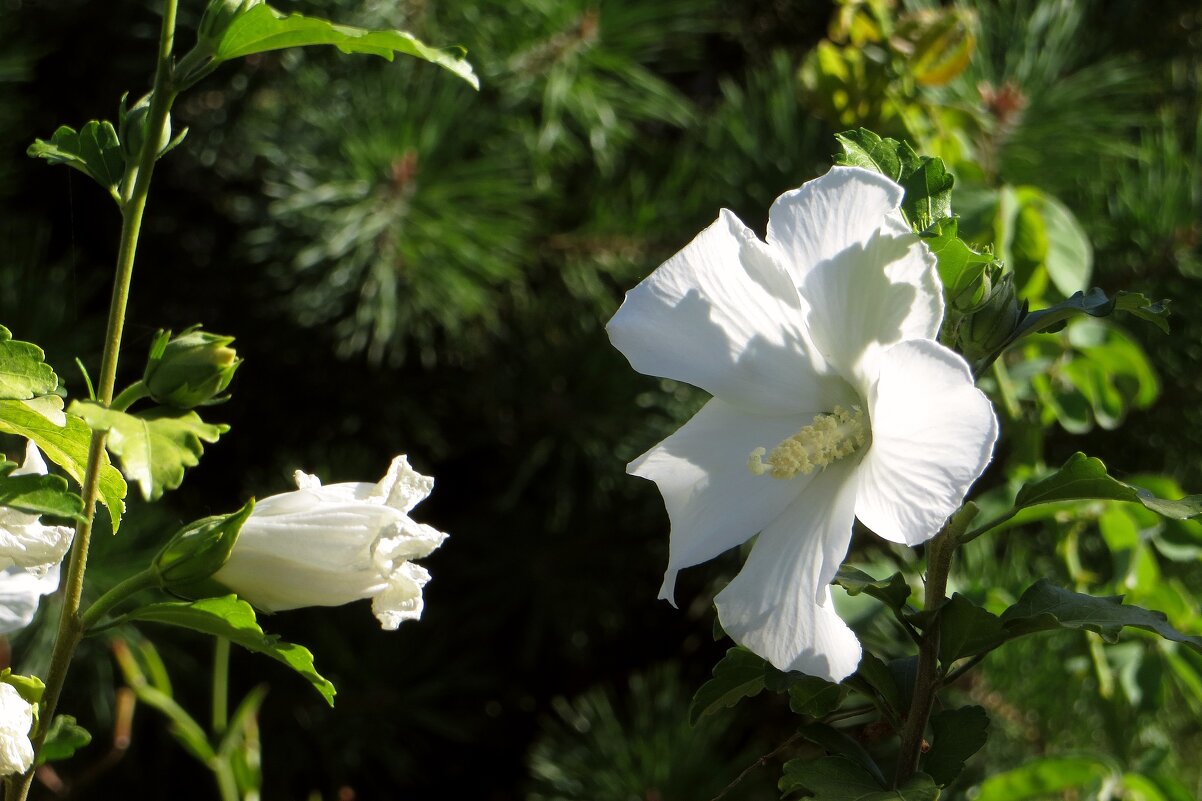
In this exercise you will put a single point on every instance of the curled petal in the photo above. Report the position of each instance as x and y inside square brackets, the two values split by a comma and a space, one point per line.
[714, 502]
[723, 315]
[780, 605]
[402, 599]
[932, 435]
[20, 593]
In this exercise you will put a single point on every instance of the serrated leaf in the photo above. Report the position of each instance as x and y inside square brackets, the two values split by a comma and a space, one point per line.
[94, 150]
[738, 675]
[63, 740]
[966, 629]
[927, 183]
[23, 369]
[39, 495]
[810, 695]
[1084, 477]
[65, 440]
[893, 591]
[838, 743]
[234, 619]
[956, 734]
[1046, 607]
[839, 779]
[155, 447]
[261, 29]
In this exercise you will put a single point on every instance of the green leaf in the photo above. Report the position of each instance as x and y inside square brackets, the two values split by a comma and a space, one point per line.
[839, 779]
[39, 495]
[880, 679]
[1095, 303]
[261, 29]
[66, 440]
[966, 629]
[155, 447]
[738, 675]
[1068, 255]
[23, 369]
[810, 695]
[63, 740]
[234, 619]
[94, 150]
[1084, 477]
[927, 182]
[1045, 607]
[1044, 777]
[893, 591]
[838, 743]
[956, 735]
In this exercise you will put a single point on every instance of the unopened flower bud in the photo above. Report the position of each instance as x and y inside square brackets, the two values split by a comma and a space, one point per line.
[217, 18]
[990, 327]
[198, 550]
[132, 130]
[190, 370]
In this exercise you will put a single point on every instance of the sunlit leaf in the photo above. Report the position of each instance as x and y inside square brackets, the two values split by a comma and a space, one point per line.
[23, 370]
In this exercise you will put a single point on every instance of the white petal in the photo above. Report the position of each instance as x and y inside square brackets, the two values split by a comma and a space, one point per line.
[871, 296]
[829, 214]
[274, 584]
[779, 605]
[402, 600]
[932, 435]
[403, 487]
[34, 464]
[16, 719]
[20, 593]
[723, 315]
[714, 502]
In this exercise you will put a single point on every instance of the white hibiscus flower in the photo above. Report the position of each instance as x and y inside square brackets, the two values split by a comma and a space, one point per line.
[831, 401]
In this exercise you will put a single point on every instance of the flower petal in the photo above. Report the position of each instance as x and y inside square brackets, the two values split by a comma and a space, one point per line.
[871, 296]
[20, 593]
[932, 435]
[723, 315]
[830, 214]
[713, 500]
[780, 604]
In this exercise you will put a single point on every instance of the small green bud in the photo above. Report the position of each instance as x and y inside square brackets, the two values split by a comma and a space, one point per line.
[30, 688]
[989, 328]
[198, 550]
[217, 18]
[190, 370]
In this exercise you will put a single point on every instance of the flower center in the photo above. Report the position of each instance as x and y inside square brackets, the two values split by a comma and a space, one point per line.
[828, 439]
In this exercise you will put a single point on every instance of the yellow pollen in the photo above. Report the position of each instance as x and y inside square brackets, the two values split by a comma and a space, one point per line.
[827, 439]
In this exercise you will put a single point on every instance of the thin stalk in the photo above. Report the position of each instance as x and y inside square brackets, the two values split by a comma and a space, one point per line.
[130, 395]
[221, 685]
[227, 785]
[939, 563]
[71, 626]
[134, 584]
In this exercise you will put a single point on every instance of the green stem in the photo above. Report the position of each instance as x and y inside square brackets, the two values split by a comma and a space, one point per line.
[221, 685]
[226, 783]
[134, 584]
[939, 563]
[129, 396]
[71, 627]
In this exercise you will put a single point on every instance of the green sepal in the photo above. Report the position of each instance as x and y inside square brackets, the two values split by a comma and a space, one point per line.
[837, 778]
[24, 373]
[155, 447]
[30, 688]
[956, 734]
[234, 619]
[190, 369]
[94, 150]
[198, 550]
[64, 738]
[66, 444]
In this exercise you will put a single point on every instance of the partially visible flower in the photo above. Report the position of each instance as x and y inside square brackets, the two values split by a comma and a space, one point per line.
[327, 546]
[20, 593]
[831, 401]
[24, 542]
[16, 719]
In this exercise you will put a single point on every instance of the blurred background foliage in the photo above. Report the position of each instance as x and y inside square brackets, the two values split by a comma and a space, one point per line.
[413, 267]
